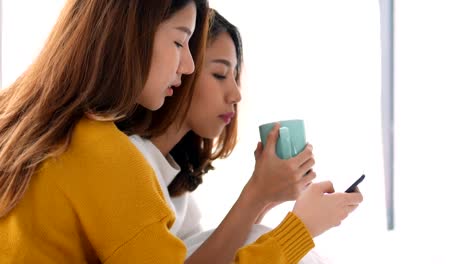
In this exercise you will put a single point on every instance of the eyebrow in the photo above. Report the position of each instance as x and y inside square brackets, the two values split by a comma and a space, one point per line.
[222, 61]
[185, 30]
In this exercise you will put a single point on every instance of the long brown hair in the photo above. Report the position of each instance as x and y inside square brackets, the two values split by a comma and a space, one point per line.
[193, 153]
[96, 60]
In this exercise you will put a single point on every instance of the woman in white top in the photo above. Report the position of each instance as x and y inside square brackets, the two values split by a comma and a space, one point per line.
[182, 152]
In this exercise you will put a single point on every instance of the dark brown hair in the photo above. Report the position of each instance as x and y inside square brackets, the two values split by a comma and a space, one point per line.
[193, 153]
[96, 60]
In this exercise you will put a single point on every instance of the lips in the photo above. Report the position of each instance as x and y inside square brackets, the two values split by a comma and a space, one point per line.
[170, 88]
[227, 117]
[169, 91]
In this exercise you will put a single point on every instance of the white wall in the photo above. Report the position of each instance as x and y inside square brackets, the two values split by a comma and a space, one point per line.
[431, 83]
[26, 25]
[321, 59]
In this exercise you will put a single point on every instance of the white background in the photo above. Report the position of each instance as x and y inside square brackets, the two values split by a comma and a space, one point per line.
[320, 61]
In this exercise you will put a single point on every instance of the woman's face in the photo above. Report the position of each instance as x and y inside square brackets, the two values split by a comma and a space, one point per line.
[216, 91]
[171, 57]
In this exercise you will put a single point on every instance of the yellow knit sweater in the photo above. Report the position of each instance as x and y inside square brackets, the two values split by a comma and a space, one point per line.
[100, 202]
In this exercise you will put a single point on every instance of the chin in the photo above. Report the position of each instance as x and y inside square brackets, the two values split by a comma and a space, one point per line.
[156, 106]
[209, 134]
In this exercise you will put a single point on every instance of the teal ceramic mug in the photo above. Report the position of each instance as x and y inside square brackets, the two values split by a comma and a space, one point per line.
[291, 140]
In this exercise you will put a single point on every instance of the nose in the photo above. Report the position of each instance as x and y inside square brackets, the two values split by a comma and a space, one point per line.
[186, 65]
[234, 96]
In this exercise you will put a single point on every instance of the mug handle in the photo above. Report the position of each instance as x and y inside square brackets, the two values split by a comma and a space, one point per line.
[284, 142]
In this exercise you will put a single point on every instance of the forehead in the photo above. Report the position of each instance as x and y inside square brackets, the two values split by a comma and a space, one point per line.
[222, 47]
[184, 17]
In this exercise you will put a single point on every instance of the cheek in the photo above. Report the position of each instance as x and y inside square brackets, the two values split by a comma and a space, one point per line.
[206, 86]
[200, 93]
[199, 109]
[169, 56]
[200, 112]
[152, 95]
[152, 84]
[160, 76]
[163, 62]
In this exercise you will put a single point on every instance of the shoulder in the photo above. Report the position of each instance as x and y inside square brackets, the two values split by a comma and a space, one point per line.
[110, 187]
[100, 146]
[99, 139]
[101, 162]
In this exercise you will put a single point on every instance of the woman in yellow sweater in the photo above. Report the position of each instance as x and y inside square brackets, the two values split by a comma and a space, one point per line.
[73, 188]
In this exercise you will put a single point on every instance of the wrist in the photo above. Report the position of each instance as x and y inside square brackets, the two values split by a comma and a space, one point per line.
[250, 195]
[309, 226]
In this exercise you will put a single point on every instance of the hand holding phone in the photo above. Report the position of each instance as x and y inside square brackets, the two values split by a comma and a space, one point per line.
[353, 186]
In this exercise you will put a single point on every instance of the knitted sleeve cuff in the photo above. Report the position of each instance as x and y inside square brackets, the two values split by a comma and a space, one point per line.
[293, 238]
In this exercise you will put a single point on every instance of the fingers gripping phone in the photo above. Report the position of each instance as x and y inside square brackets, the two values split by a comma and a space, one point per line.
[353, 186]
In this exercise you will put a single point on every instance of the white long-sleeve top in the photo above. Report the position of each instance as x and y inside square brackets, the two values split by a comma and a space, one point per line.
[187, 213]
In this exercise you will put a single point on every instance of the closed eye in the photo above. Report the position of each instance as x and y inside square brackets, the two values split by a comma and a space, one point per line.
[219, 76]
[178, 44]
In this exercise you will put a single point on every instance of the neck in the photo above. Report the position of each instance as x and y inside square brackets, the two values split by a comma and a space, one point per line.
[170, 138]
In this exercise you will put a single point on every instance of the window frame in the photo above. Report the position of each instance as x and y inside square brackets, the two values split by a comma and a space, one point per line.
[388, 103]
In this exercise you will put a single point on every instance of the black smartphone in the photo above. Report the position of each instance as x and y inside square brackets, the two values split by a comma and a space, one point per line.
[353, 186]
